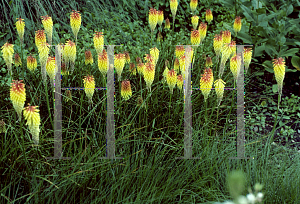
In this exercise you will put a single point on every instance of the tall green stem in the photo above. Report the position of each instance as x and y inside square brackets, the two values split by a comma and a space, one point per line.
[173, 24]
[170, 107]
[22, 70]
[205, 132]
[228, 116]
[151, 38]
[48, 105]
[273, 130]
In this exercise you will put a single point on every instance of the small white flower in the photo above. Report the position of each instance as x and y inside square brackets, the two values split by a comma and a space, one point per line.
[242, 200]
[251, 198]
[228, 202]
[259, 196]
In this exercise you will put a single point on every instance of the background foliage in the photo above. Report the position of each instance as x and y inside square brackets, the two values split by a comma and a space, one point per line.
[149, 141]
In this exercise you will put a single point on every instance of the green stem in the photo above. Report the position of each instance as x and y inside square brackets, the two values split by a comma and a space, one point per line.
[48, 105]
[146, 116]
[151, 38]
[205, 131]
[228, 116]
[273, 130]
[217, 120]
[22, 60]
[170, 107]
[212, 114]
[173, 25]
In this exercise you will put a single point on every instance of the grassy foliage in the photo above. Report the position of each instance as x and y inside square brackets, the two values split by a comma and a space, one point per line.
[149, 137]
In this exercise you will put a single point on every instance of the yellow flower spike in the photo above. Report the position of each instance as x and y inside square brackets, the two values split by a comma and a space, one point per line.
[154, 52]
[75, 21]
[232, 48]
[51, 69]
[179, 51]
[226, 36]
[103, 63]
[193, 5]
[31, 63]
[89, 87]
[195, 37]
[149, 73]
[119, 64]
[18, 96]
[17, 60]
[20, 24]
[179, 82]
[202, 30]
[40, 38]
[279, 70]
[48, 25]
[172, 79]
[237, 24]
[127, 57]
[226, 51]
[160, 17]
[149, 58]
[126, 91]
[206, 82]
[165, 73]
[195, 20]
[140, 68]
[182, 64]
[43, 54]
[132, 69]
[98, 42]
[7, 53]
[218, 43]
[208, 62]
[208, 16]
[168, 25]
[247, 57]
[192, 54]
[32, 115]
[173, 5]
[70, 54]
[153, 18]
[71, 50]
[235, 65]
[219, 88]
[176, 64]
[88, 57]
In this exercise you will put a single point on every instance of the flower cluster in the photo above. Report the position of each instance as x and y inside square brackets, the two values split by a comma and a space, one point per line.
[32, 116]
[20, 24]
[119, 64]
[48, 25]
[206, 82]
[18, 96]
[126, 91]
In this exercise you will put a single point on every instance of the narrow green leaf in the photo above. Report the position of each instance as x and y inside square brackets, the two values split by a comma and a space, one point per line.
[290, 52]
[289, 10]
[247, 13]
[258, 51]
[258, 73]
[245, 37]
